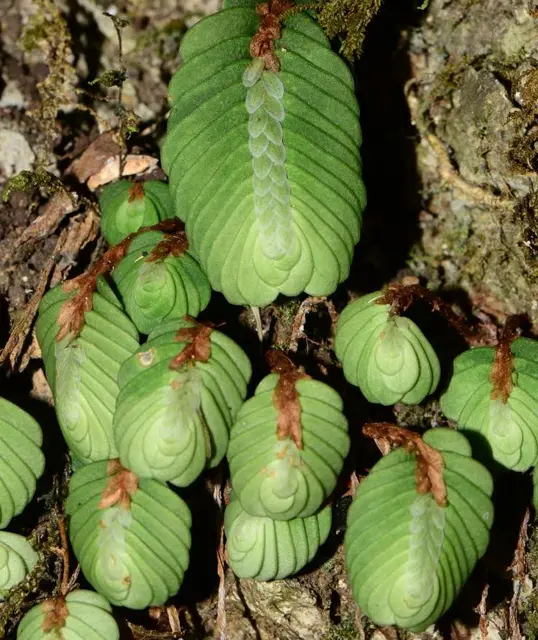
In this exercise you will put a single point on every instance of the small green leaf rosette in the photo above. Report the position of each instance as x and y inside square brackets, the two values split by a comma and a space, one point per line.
[510, 428]
[285, 454]
[82, 371]
[130, 535]
[81, 615]
[266, 549]
[159, 280]
[21, 460]
[407, 556]
[180, 393]
[127, 206]
[17, 559]
[386, 356]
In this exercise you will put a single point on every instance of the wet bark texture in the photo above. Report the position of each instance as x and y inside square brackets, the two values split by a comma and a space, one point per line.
[449, 102]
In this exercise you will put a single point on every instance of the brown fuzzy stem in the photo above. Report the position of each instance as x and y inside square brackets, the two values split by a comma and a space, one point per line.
[121, 486]
[430, 467]
[401, 297]
[198, 347]
[501, 372]
[285, 397]
[262, 44]
[71, 316]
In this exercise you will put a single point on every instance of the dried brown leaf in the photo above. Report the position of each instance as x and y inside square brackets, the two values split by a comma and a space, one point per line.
[134, 165]
[430, 467]
[95, 157]
[122, 484]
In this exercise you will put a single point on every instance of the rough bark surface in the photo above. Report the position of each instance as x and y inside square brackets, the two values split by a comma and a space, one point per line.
[449, 101]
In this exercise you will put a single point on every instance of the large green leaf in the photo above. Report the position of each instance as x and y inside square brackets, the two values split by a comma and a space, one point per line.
[21, 460]
[510, 428]
[83, 371]
[408, 557]
[17, 559]
[387, 357]
[171, 423]
[271, 475]
[82, 615]
[266, 549]
[126, 206]
[264, 166]
[130, 535]
[156, 290]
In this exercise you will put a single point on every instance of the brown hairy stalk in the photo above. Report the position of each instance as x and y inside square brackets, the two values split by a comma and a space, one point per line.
[174, 244]
[262, 44]
[55, 615]
[400, 297]
[285, 397]
[136, 192]
[121, 485]
[430, 467]
[71, 316]
[501, 372]
[198, 347]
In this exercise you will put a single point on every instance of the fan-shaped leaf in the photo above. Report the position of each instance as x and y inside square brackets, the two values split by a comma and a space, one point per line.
[83, 371]
[387, 357]
[82, 615]
[154, 288]
[17, 559]
[266, 549]
[272, 474]
[172, 422]
[408, 557]
[127, 206]
[263, 164]
[21, 460]
[131, 536]
[511, 428]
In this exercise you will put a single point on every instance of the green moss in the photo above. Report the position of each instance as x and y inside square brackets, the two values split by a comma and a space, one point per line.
[29, 180]
[346, 630]
[348, 20]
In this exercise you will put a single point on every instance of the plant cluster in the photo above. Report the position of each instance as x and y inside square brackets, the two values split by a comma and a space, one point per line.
[264, 172]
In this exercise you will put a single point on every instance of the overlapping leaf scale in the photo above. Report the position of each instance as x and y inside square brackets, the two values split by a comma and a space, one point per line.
[387, 357]
[271, 476]
[135, 555]
[153, 291]
[266, 549]
[89, 617]
[17, 559]
[21, 460]
[126, 206]
[511, 428]
[83, 372]
[171, 424]
[263, 166]
[407, 557]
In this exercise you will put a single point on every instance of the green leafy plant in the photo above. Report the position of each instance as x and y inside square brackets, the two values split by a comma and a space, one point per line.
[21, 460]
[81, 615]
[262, 154]
[84, 339]
[386, 356]
[131, 535]
[418, 525]
[158, 280]
[288, 444]
[267, 549]
[17, 559]
[179, 396]
[494, 392]
[127, 206]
